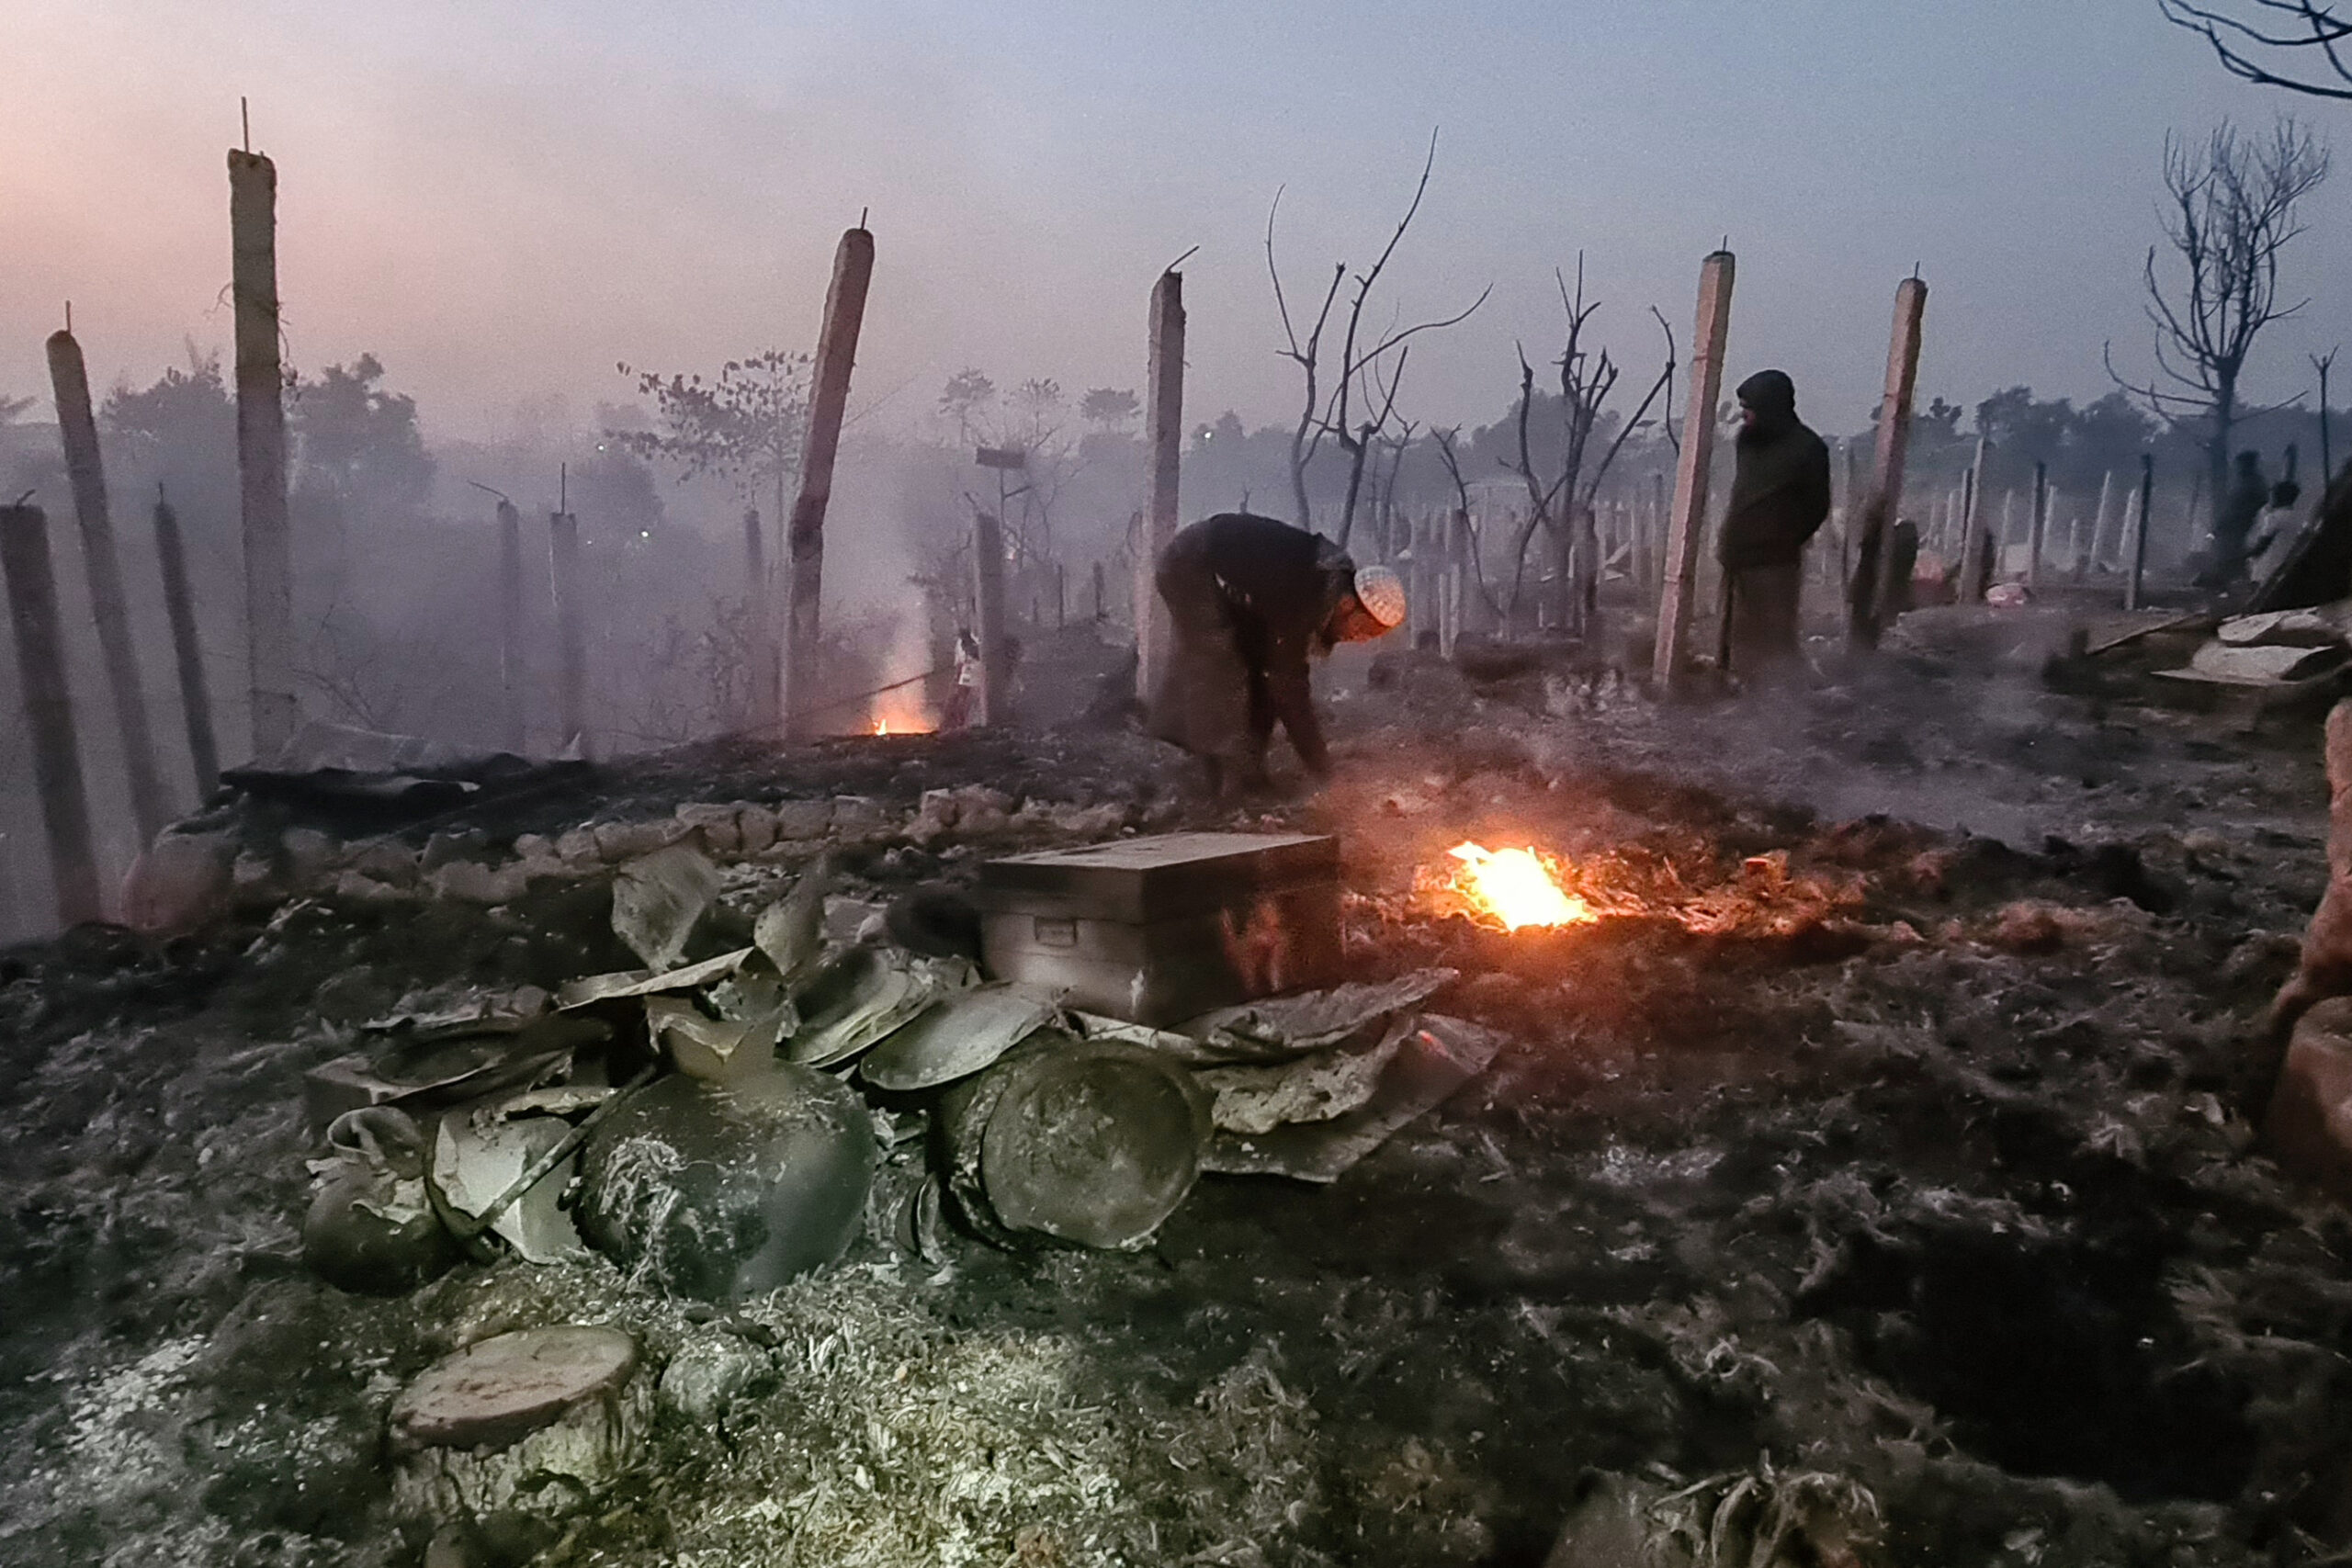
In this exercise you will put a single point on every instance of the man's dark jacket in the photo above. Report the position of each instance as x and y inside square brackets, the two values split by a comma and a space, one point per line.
[1780, 487]
[1249, 597]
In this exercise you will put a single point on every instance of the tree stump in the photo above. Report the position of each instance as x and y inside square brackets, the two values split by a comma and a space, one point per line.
[1088, 1142]
[537, 1421]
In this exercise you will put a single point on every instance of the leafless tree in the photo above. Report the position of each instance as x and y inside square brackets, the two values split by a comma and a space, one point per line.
[1449, 451]
[2229, 210]
[2294, 44]
[1362, 398]
[1562, 503]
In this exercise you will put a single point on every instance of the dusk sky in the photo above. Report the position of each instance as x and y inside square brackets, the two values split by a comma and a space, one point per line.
[501, 199]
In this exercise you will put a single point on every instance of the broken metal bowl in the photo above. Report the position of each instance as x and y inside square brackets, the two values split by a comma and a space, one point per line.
[854, 1001]
[958, 1036]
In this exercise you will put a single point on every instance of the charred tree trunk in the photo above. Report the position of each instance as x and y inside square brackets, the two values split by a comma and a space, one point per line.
[1164, 429]
[805, 543]
[988, 599]
[48, 711]
[514, 729]
[261, 452]
[196, 695]
[70, 379]
[1689, 518]
[571, 648]
[1870, 596]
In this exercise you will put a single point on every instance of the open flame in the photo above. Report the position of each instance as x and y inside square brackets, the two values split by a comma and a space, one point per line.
[901, 712]
[1517, 888]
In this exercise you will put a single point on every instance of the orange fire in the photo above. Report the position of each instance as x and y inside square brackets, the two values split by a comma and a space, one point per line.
[1517, 888]
[901, 712]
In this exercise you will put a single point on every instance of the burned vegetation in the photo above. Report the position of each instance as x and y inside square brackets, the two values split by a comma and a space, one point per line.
[1832, 1190]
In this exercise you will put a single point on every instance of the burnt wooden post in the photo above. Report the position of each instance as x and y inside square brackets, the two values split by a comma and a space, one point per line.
[1098, 592]
[804, 542]
[2140, 532]
[261, 452]
[1689, 518]
[1163, 423]
[69, 378]
[48, 711]
[1977, 548]
[179, 605]
[1870, 594]
[514, 725]
[988, 599]
[767, 667]
[570, 640]
[2038, 525]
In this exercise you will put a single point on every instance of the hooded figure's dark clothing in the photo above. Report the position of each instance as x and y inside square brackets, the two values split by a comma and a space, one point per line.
[1780, 496]
[1248, 598]
[2234, 524]
[1780, 487]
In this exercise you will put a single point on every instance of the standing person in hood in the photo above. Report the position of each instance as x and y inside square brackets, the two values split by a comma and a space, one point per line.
[1252, 600]
[1780, 496]
[2234, 523]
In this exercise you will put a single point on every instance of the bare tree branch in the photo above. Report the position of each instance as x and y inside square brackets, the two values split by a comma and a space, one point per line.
[2314, 36]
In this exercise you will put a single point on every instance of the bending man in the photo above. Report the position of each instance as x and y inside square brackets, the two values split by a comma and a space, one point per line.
[1252, 600]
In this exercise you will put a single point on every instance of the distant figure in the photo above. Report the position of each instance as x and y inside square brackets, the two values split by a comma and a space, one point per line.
[966, 693]
[1780, 497]
[2234, 524]
[1251, 601]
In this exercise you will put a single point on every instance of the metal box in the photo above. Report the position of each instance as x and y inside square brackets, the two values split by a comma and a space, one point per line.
[1158, 930]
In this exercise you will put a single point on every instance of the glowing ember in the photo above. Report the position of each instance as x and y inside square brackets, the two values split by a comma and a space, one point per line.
[1516, 887]
[900, 712]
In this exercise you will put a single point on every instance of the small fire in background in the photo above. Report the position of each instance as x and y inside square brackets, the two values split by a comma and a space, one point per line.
[901, 712]
[1517, 887]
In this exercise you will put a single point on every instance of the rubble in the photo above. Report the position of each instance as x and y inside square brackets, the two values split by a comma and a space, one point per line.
[723, 1192]
[1960, 1222]
[1089, 1142]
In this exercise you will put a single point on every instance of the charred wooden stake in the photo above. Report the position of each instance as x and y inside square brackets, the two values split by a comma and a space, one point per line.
[261, 452]
[1690, 515]
[767, 668]
[988, 599]
[1872, 595]
[2099, 526]
[513, 726]
[572, 650]
[1163, 423]
[179, 604]
[48, 711]
[1975, 554]
[804, 542]
[70, 379]
[1098, 592]
[2040, 525]
[2140, 532]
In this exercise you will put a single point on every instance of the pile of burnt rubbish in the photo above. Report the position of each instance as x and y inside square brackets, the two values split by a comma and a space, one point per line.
[1053, 1061]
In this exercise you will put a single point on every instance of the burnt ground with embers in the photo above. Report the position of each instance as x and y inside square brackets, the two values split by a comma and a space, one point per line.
[1894, 1132]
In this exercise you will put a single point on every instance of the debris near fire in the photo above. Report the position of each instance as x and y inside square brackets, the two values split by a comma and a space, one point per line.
[1323, 1136]
[1065, 1139]
[1155, 930]
[371, 1227]
[722, 1191]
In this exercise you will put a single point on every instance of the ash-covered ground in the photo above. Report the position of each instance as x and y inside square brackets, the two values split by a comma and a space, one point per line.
[1901, 1141]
